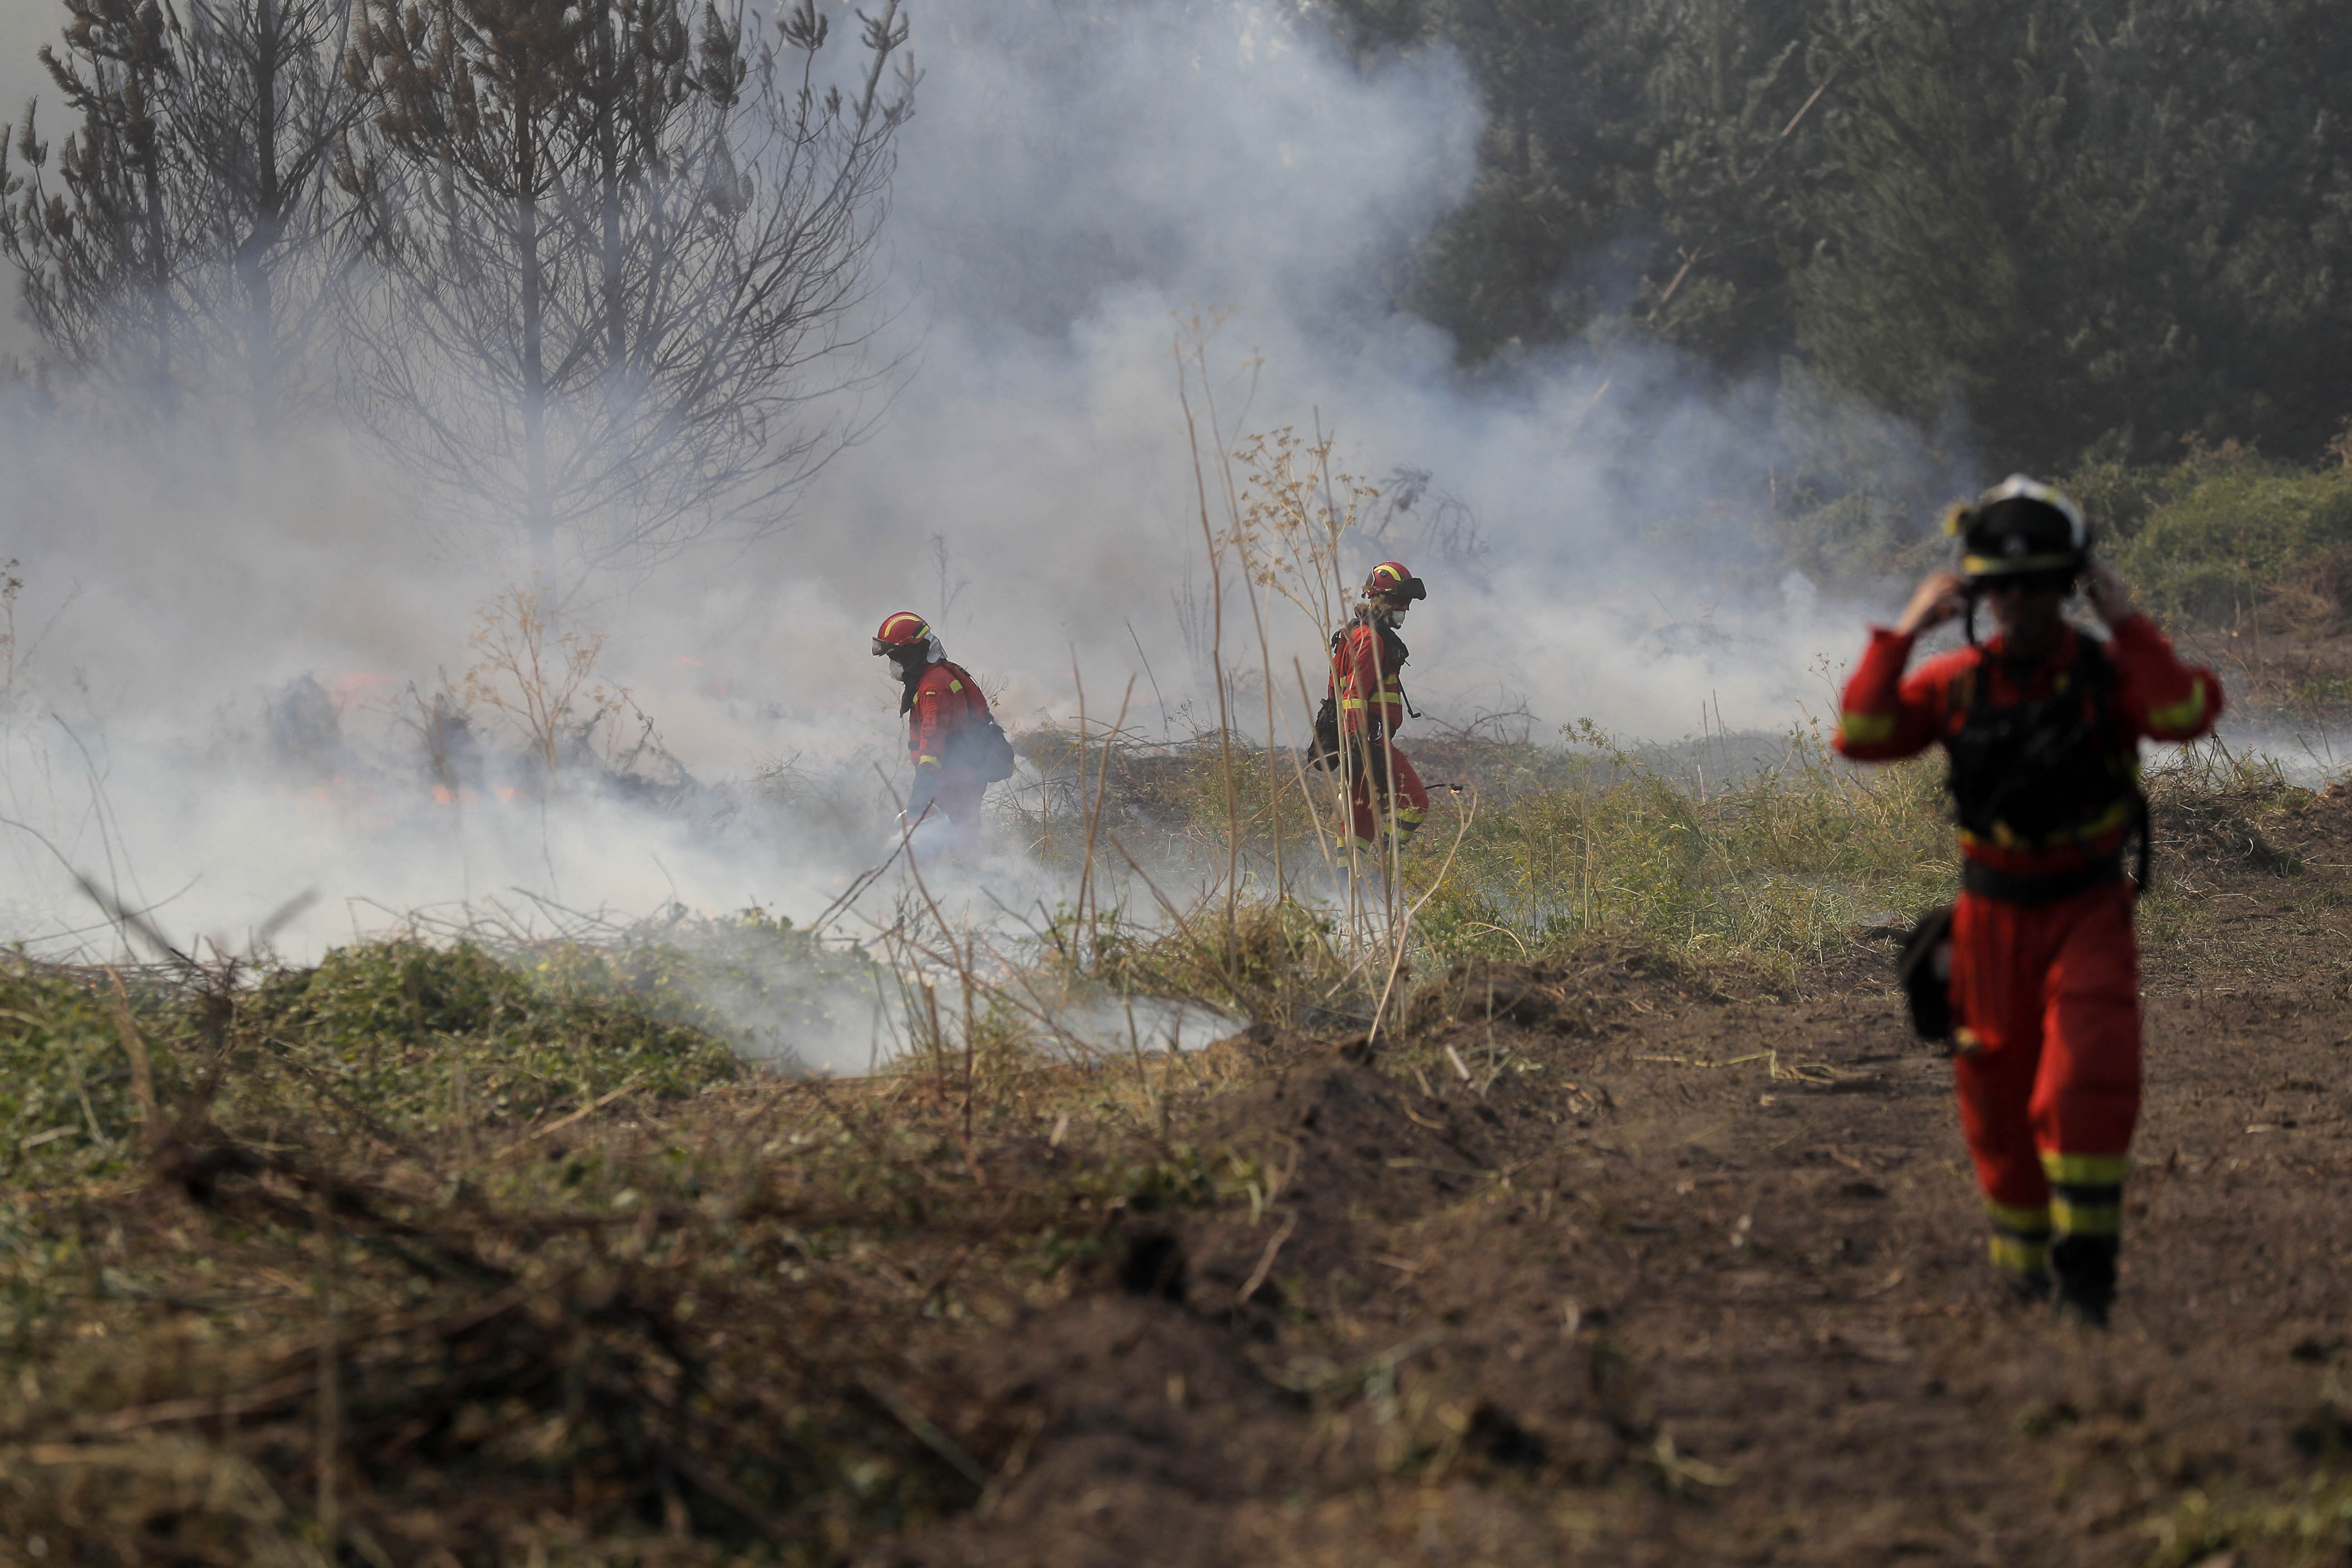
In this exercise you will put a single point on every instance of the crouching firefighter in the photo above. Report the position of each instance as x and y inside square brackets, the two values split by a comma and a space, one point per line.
[2041, 725]
[1367, 656]
[953, 738]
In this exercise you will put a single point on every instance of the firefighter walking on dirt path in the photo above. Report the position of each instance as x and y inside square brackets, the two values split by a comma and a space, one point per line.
[2041, 725]
[952, 737]
[1366, 658]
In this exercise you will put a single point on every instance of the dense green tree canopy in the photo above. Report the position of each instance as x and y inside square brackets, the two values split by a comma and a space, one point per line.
[2050, 226]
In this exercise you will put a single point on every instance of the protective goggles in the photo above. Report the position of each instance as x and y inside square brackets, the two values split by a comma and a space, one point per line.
[881, 647]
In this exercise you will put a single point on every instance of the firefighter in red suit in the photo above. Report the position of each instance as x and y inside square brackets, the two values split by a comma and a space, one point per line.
[2042, 726]
[944, 707]
[1366, 657]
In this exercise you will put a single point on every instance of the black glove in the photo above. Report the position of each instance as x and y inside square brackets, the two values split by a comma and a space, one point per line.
[918, 799]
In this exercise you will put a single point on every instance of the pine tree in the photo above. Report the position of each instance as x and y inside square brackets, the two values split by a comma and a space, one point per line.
[1636, 166]
[2079, 224]
[186, 238]
[620, 251]
[259, 114]
[95, 249]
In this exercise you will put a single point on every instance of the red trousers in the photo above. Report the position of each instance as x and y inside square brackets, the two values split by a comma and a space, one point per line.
[1368, 805]
[958, 795]
[2048, 1074]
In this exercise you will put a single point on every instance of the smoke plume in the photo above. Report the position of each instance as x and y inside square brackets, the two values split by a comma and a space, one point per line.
[224, 651]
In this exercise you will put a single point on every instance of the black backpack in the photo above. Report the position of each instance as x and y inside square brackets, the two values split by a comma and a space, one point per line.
[988, 749]
[981, 746]
[1324, 752]
[1924, 969]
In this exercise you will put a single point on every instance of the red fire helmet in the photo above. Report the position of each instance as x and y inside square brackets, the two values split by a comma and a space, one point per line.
[1392, 580]
[900, 630]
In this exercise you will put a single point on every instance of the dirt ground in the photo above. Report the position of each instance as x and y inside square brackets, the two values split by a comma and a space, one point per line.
[1610, 1266]
[2289, 684]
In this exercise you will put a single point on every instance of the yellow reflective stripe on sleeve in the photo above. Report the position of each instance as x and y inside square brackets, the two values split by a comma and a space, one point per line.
[2183, 714]
[2020, 1221]
[1408, 817]
[1865, 728]
[927, 762]
[2087, 1219]
[1351, 702]
[2087, 1170]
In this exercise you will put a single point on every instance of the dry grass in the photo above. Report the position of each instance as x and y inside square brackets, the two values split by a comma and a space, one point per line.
[431, 1254]
[283, 1320]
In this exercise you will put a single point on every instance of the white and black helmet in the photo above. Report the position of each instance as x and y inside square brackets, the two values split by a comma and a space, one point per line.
[2019, 528]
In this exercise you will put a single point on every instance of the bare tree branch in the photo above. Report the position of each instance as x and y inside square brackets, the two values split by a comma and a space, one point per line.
[621, 261]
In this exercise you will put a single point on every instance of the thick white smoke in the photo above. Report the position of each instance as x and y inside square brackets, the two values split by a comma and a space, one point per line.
[1077, 184]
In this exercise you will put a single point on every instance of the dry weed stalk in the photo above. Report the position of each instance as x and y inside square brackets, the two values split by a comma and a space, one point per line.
[1192, 360]
[1294, 519]
[1287, 524]
[531, 672]
[11, 585]
[1089, 911]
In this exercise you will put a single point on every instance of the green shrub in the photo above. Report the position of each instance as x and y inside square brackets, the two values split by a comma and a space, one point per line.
[412, 1034]
[66, 1101]
[2231, 532]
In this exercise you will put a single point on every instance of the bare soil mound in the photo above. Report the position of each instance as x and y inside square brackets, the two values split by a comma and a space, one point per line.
[1600, 1264]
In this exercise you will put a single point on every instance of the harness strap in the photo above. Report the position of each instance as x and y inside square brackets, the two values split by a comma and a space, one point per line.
[2093, 667]
[2146, 827]
[2030, 891]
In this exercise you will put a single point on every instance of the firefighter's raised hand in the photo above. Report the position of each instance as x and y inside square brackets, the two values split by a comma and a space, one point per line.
[2104, 587]
[1942, 596]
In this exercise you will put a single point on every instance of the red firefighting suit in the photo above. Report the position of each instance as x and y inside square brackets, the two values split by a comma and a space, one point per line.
[2045, 992]
[1364, 676]
[941, 706]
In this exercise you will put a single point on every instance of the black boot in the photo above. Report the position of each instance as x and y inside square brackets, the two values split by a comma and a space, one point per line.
[2085, 1269]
